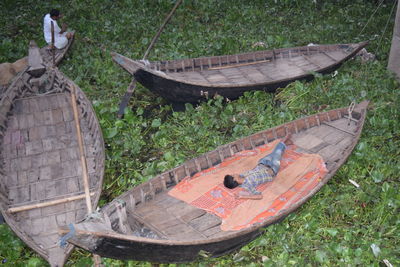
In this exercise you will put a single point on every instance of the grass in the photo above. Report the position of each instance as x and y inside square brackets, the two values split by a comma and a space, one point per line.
[341, 224]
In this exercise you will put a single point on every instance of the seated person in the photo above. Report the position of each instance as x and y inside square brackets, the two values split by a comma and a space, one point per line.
[61, 36]
[265, 171]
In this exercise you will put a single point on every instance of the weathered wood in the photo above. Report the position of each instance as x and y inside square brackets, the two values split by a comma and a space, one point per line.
[48, 203]
[238, 65]
[41, 166]
[191, 80]
[182, 230]
[85, 176]
[35, 61]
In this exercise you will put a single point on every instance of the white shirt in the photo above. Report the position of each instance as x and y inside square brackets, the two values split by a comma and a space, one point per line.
[47, 28]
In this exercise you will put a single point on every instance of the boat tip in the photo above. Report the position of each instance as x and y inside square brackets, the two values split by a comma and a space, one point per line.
[363, 105]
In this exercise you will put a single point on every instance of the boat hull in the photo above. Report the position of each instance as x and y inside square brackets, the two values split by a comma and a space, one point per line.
[175, 91]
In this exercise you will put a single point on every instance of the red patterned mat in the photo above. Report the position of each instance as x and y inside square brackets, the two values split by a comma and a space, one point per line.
[299, 173]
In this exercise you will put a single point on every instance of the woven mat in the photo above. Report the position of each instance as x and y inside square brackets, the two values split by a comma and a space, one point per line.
[299, 173]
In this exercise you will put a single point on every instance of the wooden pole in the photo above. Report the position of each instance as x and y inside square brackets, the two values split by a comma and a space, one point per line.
[47, 203]
[394, 56]
[96, 258]
[81, 150]
[132, 85]
[53, 46]
[161, 29]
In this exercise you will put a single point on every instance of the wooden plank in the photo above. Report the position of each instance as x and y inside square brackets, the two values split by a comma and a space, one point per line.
[35, 61]
[205, 222]
[147, 224]
[328, 54]
[239, 65]
[187, 213]
[307, 141]
[312, 61]
[211, 232]
[340, 127]
[336, 55]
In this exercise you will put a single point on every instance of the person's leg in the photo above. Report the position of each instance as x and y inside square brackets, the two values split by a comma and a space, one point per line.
[273, 160]
[61, 42]
[69, 35]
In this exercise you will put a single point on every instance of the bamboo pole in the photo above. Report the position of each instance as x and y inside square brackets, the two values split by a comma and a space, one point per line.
[53, 46]
[161, 29]
[47, 203]
[81, 150]
[96, 258]
[132, 85]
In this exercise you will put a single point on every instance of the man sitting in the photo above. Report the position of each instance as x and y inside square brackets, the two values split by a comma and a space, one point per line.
[265, 171]
[61, 36]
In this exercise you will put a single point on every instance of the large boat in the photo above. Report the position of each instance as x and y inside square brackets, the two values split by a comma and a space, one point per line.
[41, 187]
[194, 79]
[186, 211]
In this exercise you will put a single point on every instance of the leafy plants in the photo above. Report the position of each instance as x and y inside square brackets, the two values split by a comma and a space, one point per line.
[342, 224]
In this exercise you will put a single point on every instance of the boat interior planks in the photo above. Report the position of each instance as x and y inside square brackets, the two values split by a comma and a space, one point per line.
[186, 80]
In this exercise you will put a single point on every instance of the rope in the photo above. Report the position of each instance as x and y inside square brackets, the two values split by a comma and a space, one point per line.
[384, 30]
[121, 202]
[95, 215]
[370, 18]
[64, 239]
[350, 111]
[367, 67]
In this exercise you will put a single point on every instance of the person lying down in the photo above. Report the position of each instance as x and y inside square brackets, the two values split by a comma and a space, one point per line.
[266, 170]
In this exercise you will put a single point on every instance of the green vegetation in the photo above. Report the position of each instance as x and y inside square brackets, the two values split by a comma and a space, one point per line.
[341, 225]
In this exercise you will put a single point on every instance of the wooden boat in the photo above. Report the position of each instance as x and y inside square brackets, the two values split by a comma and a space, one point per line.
[147, 223]
[40, 170]
[47, 58]
[191, 80]
[47, 53]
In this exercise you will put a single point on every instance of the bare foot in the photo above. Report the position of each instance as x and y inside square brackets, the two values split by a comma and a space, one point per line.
[288, 140]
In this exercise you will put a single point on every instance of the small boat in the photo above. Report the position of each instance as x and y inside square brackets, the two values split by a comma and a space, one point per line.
[40, 171]
[47, 59]
[191, 80]
[47, 53]
[149, 223]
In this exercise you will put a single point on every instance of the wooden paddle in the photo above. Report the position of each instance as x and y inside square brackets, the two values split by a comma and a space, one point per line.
[132, 85]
